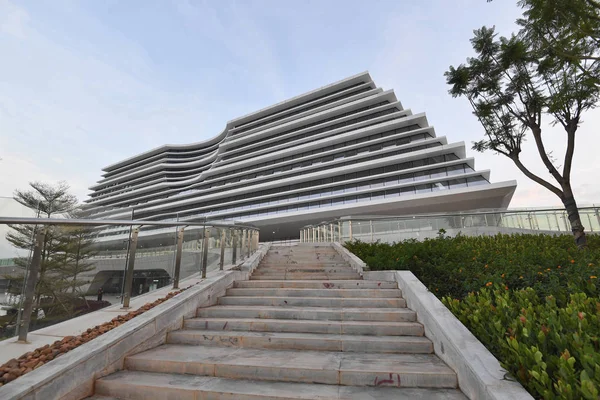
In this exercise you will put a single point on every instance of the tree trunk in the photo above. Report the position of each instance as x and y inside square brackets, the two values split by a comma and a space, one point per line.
[573, 213]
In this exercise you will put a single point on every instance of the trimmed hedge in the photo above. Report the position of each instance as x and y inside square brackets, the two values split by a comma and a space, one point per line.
[532, 300]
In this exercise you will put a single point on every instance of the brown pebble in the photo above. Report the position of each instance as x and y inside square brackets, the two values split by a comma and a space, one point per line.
[38, 365]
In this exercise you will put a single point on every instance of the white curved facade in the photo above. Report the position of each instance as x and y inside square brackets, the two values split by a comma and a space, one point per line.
[348, 148]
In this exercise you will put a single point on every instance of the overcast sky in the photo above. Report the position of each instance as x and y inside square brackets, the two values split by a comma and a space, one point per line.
[84, 84]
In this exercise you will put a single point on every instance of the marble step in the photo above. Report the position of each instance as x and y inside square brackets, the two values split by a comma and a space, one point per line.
[332, 302]
[275, 258]
[305, 276]
[312, 284]
[305, 266]
[310, 313]
[307, 326]
[137, 385]
[332, 368]
[100, 397]
[303, 341]
[342, 271]
[294, 292]
[295, 270]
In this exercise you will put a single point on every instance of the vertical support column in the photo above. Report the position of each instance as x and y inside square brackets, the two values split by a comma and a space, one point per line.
[350, 229]
[589, 217]
[129, 276]
[234, 245]
[36, 261]
[249, 240]
[340, 231]
[205, 251]
[178, 258]
[222, 260]
[242, 243]
[371, 229]
[331, 230]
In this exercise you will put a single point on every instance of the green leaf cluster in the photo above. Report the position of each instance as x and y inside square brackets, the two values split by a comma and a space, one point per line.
[532, 300]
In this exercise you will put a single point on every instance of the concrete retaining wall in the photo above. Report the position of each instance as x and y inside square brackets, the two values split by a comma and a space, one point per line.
[479, 373]
[72, 376]
[356, 263]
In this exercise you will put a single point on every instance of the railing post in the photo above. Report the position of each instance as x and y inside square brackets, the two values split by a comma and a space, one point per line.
[350, 229]
[32, 278]
[222, 260]
[242, 243]
[129, 276]
[205, 251]
[234, 245]
[178, 258]
[248, 241]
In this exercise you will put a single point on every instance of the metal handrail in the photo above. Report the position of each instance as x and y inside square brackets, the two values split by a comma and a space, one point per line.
[443, 215]
[249, 236]
[113, 222]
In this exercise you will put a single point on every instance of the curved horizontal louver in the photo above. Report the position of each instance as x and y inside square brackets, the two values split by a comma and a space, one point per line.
[346, 148]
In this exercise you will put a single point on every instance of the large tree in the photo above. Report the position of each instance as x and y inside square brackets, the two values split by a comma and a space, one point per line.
[517, 85]
[48, 201]
[78, 247]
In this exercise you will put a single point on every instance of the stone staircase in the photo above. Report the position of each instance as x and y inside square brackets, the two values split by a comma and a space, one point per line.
[305, 326]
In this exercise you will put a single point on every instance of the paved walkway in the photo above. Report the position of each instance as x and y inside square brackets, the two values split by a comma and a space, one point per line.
[9, 348]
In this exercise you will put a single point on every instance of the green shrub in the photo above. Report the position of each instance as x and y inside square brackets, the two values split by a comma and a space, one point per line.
[553, 351]
[532, 300]
[552, 265]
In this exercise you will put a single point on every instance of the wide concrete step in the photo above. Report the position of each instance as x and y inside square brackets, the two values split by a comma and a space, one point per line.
[310, 313]
[305, 276]
[312, 302]
[312, 284]
[294, 292]
[303, 254]
[100, 397]
[288, 257]
[319, 266]
[302, 261]
[303, 341]
[137, 385]
[312, 271]
[332, 368]
[373, 328]
[299, 271]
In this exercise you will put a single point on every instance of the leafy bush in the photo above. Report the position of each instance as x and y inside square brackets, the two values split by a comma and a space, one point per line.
[532, 300]
[552, 265]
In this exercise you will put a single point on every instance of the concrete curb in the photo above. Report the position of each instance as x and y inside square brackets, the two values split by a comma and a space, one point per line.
[479, 373]
[356, 263]
[72, 376]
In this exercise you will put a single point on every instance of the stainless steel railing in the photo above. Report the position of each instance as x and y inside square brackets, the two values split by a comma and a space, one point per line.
[224, 238]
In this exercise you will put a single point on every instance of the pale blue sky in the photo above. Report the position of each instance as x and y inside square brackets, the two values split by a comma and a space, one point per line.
[84, 84]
